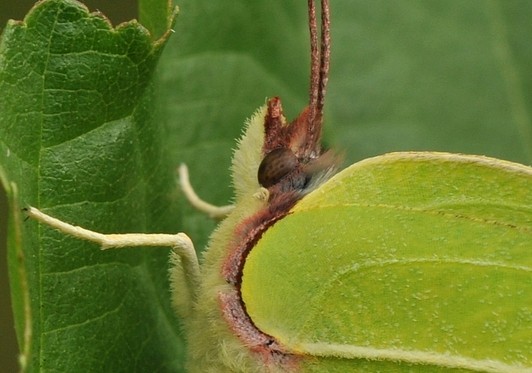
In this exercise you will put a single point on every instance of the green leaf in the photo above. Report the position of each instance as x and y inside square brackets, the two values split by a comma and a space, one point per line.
[154, 15]
[78, 139]
[407, 258]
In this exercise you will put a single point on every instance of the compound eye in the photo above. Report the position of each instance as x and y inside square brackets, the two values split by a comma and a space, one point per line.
[276, 165]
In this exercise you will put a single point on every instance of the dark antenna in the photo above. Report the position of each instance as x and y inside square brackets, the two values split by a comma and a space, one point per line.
[314, 62]
[325, 54]
[319, 63]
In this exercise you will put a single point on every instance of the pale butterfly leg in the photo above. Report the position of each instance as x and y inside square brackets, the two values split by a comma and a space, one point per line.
[180, 243]
[215, 212]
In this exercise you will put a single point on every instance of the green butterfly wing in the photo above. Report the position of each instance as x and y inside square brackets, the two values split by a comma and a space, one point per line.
[406, 261]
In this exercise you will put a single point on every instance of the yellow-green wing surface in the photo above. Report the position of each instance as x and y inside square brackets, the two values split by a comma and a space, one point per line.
[403, 262]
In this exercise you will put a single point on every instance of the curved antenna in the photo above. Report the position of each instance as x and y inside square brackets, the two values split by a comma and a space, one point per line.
[325, 54]
[319, 64]
[314, 62]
